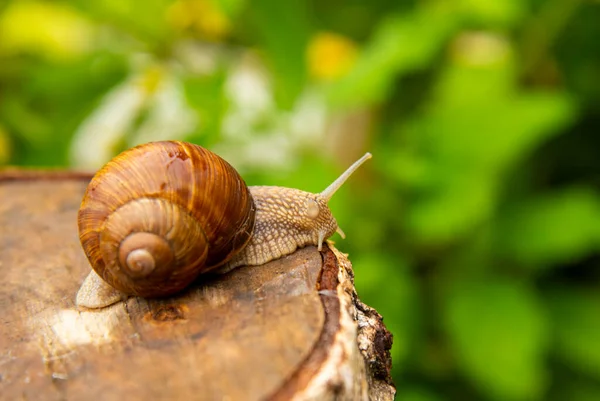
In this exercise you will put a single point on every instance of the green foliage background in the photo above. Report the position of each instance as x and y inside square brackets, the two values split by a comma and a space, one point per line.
[475, 229]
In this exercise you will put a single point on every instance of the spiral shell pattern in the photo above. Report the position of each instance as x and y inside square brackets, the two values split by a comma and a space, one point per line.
[158, 215]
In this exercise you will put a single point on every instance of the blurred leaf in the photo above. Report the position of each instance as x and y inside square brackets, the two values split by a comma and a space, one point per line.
[467, 139]
[460, 202]
[378, 274]
[492, 12]
[206, 96]
[574, 44]
[48, 101]
[413, 393]
[25, 123]
[284, 29]
[479, 119]
[575, 389]
[512, 127]
[576, 321]
[551, 229]
[144, 20]
[498, 332]
[400, 43]
[231, 7]
[59, 86]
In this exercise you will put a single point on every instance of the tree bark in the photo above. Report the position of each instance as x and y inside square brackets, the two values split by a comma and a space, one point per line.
[292, 329]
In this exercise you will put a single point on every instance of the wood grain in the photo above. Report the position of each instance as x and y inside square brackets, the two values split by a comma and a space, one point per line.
[261, 332]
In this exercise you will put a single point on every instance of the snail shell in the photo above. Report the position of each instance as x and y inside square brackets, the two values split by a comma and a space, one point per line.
[160, 214]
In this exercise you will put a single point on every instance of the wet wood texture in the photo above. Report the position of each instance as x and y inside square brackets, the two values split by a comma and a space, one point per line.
[262, 332]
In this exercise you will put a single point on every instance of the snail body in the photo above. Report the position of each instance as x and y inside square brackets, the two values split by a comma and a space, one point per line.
[158, 215]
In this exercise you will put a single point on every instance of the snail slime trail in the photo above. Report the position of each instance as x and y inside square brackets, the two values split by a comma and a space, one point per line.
[158, 215]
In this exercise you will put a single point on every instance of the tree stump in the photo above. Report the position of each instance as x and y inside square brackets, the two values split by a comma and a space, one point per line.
[293, 328]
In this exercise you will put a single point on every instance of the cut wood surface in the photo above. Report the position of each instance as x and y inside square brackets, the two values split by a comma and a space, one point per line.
[290, 329]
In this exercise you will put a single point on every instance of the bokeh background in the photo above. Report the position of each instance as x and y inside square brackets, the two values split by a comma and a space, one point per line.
[474, 230]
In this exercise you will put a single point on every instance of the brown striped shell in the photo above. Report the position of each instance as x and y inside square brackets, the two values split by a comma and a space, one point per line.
[158, 215]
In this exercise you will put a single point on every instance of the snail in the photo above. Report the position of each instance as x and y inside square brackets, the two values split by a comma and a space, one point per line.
[160, 214]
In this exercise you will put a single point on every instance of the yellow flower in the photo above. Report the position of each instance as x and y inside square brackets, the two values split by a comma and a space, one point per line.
[152, 78]
[202, 16]
[330, 55]
[50, 29]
